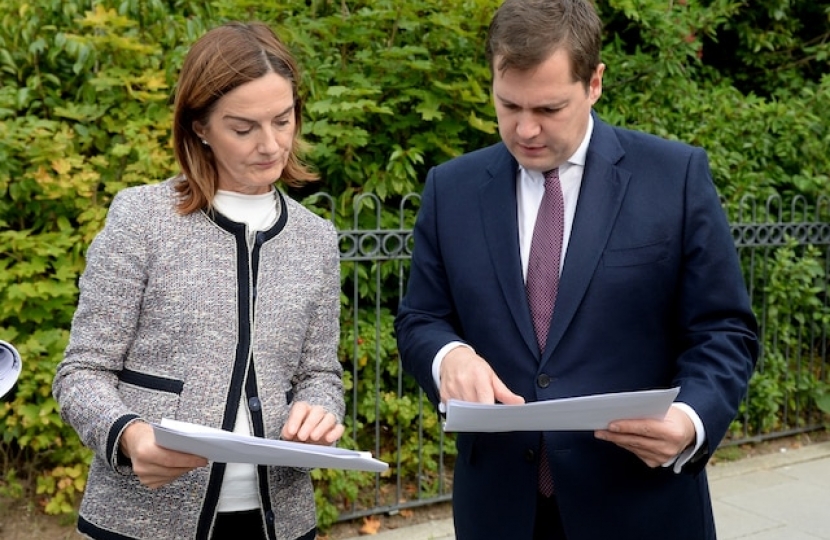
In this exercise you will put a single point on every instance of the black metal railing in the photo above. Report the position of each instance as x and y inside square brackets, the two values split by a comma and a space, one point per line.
[375, 255]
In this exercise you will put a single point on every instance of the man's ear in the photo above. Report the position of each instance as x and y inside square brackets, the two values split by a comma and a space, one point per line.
[595, 86]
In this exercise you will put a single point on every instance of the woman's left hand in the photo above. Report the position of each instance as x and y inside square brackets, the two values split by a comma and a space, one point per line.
[311, 424]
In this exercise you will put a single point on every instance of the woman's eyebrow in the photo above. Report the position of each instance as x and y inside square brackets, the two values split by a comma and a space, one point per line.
[243, 119]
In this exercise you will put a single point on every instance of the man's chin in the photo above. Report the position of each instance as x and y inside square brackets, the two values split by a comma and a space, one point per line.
[533, 160]
[538, 165]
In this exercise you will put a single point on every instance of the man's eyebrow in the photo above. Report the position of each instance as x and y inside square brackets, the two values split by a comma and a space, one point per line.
[556, 104]
[502, 99]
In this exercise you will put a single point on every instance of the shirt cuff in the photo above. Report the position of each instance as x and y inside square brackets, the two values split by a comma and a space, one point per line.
[436, 367]
[700, 435]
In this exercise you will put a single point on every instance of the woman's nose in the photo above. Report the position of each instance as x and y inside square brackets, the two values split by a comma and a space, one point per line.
[267, 143]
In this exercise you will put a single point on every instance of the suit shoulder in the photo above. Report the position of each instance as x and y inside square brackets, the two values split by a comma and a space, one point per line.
[305, 218]
[640, 141]
[479, 159]
[141, 202]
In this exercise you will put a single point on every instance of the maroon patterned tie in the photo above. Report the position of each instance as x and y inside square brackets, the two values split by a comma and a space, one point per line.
[543, 281]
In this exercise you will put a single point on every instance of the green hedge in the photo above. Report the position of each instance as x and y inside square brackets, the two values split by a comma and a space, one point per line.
[391, 88]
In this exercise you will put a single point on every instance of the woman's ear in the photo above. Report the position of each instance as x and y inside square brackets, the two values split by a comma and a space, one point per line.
[198, 129]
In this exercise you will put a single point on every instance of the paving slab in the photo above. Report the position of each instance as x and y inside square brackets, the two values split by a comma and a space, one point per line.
[778, 496]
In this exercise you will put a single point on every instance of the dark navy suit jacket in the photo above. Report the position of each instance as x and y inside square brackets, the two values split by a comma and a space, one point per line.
[651, 296]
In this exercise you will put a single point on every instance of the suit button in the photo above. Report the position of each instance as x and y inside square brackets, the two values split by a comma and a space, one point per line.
[269, 517]
[530, 455]
[254, 404]
[543, 380]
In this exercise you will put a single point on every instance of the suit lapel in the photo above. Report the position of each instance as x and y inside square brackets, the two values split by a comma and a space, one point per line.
[600, 197]
[500, 224]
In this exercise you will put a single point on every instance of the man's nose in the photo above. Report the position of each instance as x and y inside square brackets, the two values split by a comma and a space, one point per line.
[527, 127]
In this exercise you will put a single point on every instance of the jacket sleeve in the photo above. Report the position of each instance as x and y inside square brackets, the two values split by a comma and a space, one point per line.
[719, 345]
[426, 319]
[318, 379]
[103, 327]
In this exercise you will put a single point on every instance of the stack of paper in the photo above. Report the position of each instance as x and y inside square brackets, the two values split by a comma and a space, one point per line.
[569, 414]
[10, 366]
[226, 447]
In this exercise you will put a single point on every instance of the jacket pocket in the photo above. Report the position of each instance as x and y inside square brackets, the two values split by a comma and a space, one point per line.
[151, 396]
[636, 256]
[151, 382]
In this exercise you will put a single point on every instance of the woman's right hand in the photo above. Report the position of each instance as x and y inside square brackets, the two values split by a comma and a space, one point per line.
[155, 466]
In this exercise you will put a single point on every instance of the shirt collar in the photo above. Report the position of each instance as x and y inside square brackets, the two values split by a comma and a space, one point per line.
[578, 157]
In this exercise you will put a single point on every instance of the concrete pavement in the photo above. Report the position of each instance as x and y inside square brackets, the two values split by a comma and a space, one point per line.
[780, 496]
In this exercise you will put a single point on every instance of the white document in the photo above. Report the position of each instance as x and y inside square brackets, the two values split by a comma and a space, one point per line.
[226, 447]
[10, 367]
[569, 414]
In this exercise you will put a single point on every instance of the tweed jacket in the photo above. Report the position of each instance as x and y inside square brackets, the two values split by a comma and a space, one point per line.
[182, 317]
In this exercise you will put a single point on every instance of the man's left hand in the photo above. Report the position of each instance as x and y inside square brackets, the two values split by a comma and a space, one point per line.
[656, 442]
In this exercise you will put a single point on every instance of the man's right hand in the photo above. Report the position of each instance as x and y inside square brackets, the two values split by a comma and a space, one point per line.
[155, 466]
[468, 377]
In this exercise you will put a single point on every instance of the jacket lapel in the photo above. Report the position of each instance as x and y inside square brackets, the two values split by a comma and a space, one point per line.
[500, 224]
[600, 197]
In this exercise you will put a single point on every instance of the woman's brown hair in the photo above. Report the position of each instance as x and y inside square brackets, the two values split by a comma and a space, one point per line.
[225, 58]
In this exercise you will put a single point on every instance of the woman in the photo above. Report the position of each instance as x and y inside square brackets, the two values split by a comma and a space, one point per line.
[209, 298]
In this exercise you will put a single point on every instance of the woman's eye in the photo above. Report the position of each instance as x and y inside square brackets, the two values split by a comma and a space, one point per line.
[242, 131]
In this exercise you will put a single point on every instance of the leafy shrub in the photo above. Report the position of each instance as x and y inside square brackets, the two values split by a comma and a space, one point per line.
[791, 377]
[391, 88]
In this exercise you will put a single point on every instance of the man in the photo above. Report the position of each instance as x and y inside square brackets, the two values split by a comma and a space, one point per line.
[646, 292]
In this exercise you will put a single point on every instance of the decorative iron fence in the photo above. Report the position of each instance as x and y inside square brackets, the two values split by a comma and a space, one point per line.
[784, 247]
